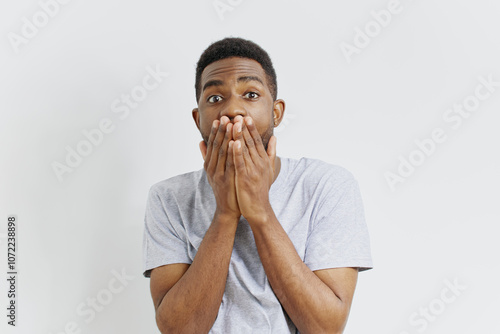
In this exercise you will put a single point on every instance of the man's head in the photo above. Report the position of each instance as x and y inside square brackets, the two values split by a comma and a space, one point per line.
[236, 77]
[236, 47]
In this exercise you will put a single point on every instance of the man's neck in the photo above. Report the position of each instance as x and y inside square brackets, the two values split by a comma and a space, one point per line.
[277, 167]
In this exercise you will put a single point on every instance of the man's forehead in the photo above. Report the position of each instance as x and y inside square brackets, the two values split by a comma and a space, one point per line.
[232, 66]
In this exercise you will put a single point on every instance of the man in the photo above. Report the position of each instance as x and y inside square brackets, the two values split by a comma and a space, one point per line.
[251, 243]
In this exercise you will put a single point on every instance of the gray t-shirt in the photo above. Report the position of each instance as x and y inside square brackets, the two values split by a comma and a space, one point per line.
[319, 206]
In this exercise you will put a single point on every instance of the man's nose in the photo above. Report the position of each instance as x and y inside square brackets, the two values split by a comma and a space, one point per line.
[233, 108]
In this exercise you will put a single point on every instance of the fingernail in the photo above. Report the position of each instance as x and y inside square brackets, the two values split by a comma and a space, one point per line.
[249, 121]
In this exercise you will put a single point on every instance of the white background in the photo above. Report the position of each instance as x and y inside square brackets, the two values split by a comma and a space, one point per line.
[361, 114]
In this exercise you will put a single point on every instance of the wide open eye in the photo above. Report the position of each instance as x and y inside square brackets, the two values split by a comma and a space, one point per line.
[252, 95]
[214, 99]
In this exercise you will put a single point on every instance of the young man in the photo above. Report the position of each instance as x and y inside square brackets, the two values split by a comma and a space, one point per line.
[251, 243]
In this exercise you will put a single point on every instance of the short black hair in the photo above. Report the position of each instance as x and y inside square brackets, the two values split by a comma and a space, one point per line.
[236, 47]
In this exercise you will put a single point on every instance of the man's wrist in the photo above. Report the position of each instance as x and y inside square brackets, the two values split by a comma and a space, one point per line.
[226, 217]
[263, 218]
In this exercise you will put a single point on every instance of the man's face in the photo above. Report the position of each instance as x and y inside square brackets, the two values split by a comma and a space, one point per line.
[237, 86]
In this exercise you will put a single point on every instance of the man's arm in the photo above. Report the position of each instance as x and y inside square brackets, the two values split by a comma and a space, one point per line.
[187, 297]
[316, 302]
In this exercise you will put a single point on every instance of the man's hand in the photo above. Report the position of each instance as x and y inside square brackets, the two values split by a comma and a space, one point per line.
[220, 170]
[254, 169]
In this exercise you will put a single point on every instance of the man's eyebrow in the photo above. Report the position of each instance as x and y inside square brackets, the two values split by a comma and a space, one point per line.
[247, 78]
[250, 78]
[212, 83]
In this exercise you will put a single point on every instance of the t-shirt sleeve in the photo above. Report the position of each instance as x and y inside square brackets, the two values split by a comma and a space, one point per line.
[164, 240]
[339, 235]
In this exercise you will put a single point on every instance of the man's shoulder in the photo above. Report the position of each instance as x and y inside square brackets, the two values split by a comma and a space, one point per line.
[184, 183]
[317, 170]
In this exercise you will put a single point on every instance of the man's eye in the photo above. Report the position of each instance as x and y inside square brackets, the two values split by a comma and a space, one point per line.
[214, 99]
[252, 95]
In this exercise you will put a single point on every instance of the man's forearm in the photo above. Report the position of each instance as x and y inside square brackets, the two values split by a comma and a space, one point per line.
[192, 304]
[311, 304]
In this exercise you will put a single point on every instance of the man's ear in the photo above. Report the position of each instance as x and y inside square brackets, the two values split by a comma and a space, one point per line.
[278, 111]
[196, 117]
